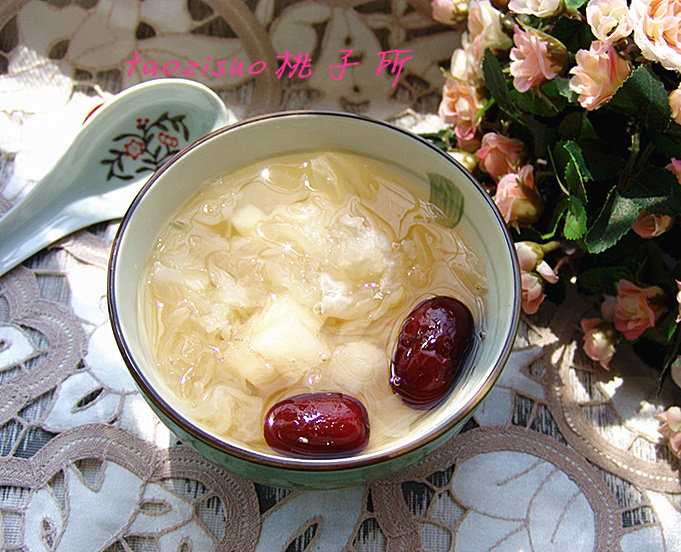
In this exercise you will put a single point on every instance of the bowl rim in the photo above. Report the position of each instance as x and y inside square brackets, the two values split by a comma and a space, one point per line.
[295, 463]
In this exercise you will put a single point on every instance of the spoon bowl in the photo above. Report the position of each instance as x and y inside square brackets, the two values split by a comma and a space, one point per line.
[121, 143]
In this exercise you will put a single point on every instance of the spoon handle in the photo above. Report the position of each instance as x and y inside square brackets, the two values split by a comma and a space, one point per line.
[150, 121]
[38, 220]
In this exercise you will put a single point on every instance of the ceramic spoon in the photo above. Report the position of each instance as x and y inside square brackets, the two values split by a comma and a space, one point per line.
[119, 146]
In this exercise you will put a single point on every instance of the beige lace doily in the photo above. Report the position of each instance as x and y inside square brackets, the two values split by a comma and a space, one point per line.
[560, 456]
[607, 415]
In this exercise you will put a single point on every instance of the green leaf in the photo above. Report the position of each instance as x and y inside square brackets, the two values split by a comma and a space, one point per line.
[603, 280]
[558, 212]
[674, 130]
[573, 33]
[563, 88]
[445, 195]
[576, 126]
[668, 326]
[496, 83]
[614, 220]
[577, 166]
[651, 255]
[672, 349]
[657, 191]
[568, 156]
[668, 141]
[553, 90]
[664, 330]
[531, 103]
[444, 139]
[575, 219]
[604, 163]
[548, 101]
[574, 4]
[643, 96]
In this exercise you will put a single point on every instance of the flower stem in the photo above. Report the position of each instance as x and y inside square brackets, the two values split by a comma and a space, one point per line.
[551, 246]
[555, 172]
[634, 149]
[647, 152]
[675, 342]
[484, 108]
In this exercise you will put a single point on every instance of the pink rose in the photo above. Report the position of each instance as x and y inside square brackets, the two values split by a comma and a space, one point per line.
[675, 104]
[485, 28]
[459, 107]
[675, 167]
[532, 292]
[599, 72]
[449, 12]
[678, 300]
[531, 259]
[600, 339]
[534, 59]
[657, 30]
[609, 19]
[634, 312]
[675, 368]
[540, 8]
[670, 428]
[465, 64]
[517, 197]
[499, 154]
[608, 307]
[534, 270]
[467, 159]
[650, 226]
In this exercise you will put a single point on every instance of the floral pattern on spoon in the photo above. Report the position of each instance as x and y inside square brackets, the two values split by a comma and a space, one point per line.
[147, 148]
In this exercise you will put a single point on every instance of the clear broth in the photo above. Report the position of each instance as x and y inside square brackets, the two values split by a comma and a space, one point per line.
[295, 277]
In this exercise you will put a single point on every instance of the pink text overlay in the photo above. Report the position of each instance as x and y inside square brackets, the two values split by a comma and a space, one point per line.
[290, 65]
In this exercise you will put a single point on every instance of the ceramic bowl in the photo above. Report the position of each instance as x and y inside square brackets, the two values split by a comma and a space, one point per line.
[260, 138]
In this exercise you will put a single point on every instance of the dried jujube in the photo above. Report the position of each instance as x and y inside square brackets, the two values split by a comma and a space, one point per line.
[317, 425]
[432, 346]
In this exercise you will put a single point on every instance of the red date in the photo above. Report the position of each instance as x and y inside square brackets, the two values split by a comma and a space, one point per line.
[431, 348]
[317, 425]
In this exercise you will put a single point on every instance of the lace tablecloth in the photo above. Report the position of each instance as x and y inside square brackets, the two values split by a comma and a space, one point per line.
[561, 455]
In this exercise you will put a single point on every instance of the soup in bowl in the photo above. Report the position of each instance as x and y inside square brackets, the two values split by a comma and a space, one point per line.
[313, 299]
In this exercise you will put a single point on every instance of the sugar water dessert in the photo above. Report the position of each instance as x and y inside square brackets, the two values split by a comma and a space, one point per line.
[314, 305]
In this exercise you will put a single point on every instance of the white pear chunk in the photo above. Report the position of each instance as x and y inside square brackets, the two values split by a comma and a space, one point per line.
[246, 219]
[287, 335]
[357, 364]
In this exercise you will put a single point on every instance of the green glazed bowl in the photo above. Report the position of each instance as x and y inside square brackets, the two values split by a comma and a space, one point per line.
[447, 184]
